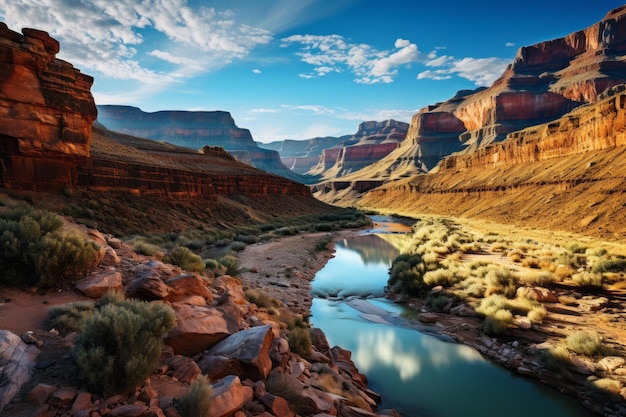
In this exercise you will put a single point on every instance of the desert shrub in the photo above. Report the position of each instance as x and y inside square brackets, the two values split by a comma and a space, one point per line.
[197, 400]
[59, 256]
[498, 322]
[230, 263]
[437, 302]
[406, 275]
[584, 342]
[538, 279]
[145, 248]
[214, 266]
[238, 246]
[609, 265]
[605, 389]
[261, 298]
[247, 239]
[68, 317]
[501, 281]
[443, 277]
[33, 251]
[299, 340]
[587, 279]
[537, 314]
[572, 260]
[323, 243]
[576, 248]
[557, 359]
[185, 258]
[119, 346]
[289, 388]
[287, 231]
[472, 287]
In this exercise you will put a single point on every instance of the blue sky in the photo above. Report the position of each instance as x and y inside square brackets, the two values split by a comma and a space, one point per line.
[295, 69]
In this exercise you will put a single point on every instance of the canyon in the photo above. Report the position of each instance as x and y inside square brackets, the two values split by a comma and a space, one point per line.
[194, 129]
[542, 146]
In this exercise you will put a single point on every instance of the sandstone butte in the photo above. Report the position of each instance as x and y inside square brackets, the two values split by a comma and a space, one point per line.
[547, 136]
[46, 117]
[194, 129]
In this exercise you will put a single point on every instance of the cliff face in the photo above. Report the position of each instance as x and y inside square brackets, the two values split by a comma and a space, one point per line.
[567, 174]
[372, 142]
[544, 82]
[302, 155]
[193, 129]
[47, 142]
[46, 112]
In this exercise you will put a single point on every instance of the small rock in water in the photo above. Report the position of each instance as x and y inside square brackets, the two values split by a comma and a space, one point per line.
[427, 318]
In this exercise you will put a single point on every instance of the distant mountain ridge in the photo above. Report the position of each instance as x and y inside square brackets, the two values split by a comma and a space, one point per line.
[193, 129]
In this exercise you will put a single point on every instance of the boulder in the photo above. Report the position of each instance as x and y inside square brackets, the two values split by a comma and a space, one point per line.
[198, 328]
[17, 361]
[188, 285]
[278, 406]
[40, 394]
[323, 402]
[63, 397]
[95, 286]
[148, 286]
[611, 363]
[428, 317]
[183, 368]
[250, 348]
[129, 410]
[229, 395]
[231, 291]
[81, 402]
[543, 295]
[217, 367]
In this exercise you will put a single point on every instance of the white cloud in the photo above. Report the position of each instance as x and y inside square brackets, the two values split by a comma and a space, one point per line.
[103, 35]
[333, 53]
[256, 71]
[481, 71]
[264, 110]
[510, 44]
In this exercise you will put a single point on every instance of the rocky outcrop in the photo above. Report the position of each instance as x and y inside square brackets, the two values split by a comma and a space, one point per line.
[302, 155]
[594, 127]
[193, 129]
[566, 174]
[46, 112]
[372, 142]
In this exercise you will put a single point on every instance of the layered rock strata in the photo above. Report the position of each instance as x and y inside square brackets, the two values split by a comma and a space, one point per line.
[46, 112]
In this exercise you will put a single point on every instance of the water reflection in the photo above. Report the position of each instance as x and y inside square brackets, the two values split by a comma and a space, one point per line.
[417, 374]
[360, 267]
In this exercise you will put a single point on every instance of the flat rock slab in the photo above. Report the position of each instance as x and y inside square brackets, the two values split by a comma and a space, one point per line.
[17, 361]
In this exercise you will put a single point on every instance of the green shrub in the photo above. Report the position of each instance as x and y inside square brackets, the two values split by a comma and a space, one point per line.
[498, 322]
[585, 342]
[33, 251]
[605, 389]
[145, 248]
[197, 400]
[501, 281]
[587, 279]
[119, 346]
[185, 258]
[323, 243]
[300, 342]
[238, 246]
[69, 317]
[406, 275]
[539, 279]
[437, 302]
[215, 267]
[231, 264]
[60, 256]
[609, 265]
[557, 359]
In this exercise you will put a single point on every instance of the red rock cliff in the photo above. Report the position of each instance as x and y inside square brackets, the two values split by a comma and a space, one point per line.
[46, 112]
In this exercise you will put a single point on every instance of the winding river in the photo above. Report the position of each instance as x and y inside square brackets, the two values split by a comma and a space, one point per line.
[415, 372]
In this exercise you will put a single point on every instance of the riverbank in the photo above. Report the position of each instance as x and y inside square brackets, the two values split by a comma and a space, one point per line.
[521, 350]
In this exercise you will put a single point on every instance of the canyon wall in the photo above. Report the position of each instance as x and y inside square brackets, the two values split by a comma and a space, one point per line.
[46, 112]
[302, 155]
[194, 129]
[372, 142]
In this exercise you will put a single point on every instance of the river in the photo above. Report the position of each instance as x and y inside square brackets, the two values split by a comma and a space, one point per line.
[416, 373]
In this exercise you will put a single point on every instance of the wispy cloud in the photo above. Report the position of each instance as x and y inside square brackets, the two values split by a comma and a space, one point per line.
[341, 113]
[481, 71]
[256, 71]
[104, 35]
[510, 44]
[333, 53]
